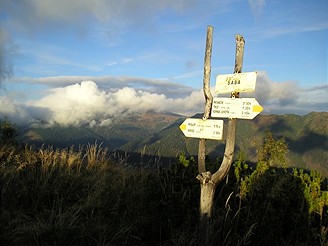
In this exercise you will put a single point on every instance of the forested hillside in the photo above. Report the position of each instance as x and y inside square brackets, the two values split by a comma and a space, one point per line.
[158, 135]
[83, 196]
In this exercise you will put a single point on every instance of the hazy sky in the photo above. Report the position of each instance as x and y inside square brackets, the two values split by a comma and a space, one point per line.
[87, 61]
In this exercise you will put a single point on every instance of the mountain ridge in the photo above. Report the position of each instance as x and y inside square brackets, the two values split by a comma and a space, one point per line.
[158, 134]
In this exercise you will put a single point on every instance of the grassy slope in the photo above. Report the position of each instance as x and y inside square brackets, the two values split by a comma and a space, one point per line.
[66, 197]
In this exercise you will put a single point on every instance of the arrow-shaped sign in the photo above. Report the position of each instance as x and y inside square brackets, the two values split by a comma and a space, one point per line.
[237, 82]
[241, 108]
[199, 128]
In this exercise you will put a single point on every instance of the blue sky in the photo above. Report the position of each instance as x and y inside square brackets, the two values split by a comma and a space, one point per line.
[148, 55]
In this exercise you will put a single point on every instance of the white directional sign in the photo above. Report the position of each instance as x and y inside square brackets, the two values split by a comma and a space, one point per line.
[199, 128]
[237, 82]
[240, 108]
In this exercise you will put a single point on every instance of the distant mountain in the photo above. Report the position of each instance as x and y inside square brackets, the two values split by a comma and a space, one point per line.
[158, 135]
[121, 131]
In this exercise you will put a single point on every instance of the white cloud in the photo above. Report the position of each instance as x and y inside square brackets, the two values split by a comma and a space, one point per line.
[164, 86]
[88, 103]
[283, 92]
[85, 103]
[14, 112]
[288, 96]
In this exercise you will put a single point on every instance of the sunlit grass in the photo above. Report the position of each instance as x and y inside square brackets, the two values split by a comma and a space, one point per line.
[79, 196]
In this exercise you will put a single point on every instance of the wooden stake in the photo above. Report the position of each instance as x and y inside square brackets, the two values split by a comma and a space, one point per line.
[208, 96]
[232, 123]
[209, 182]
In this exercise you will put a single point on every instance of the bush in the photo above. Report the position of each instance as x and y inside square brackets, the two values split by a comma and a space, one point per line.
[8, 132]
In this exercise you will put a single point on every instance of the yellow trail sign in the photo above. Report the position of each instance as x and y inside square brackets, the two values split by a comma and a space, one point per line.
[199, 128]
[240, 108]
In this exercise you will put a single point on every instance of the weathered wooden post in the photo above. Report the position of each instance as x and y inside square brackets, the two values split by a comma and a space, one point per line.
[206, 128]
[208, 96]
[209, 182]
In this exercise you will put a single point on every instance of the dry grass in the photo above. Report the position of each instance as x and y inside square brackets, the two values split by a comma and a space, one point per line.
[79, 197]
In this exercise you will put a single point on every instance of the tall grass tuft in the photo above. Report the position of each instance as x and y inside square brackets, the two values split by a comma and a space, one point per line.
[96, 155]
[80, 197]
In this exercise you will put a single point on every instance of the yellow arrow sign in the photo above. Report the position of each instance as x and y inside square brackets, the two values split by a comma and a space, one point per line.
[199, 128]
[240, 108]
[257, 108]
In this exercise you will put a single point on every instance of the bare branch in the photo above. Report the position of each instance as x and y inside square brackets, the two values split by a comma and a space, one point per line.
[207, 94]
[207, 73]
[232, 123]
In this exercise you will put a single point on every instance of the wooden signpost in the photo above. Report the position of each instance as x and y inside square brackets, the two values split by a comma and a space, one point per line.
[239, 108]
[237, 82]
[199, 128]
[205, 128]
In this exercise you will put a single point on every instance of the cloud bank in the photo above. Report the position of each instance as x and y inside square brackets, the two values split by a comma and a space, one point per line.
[87, 103]
[289, 97]
[112, 83]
